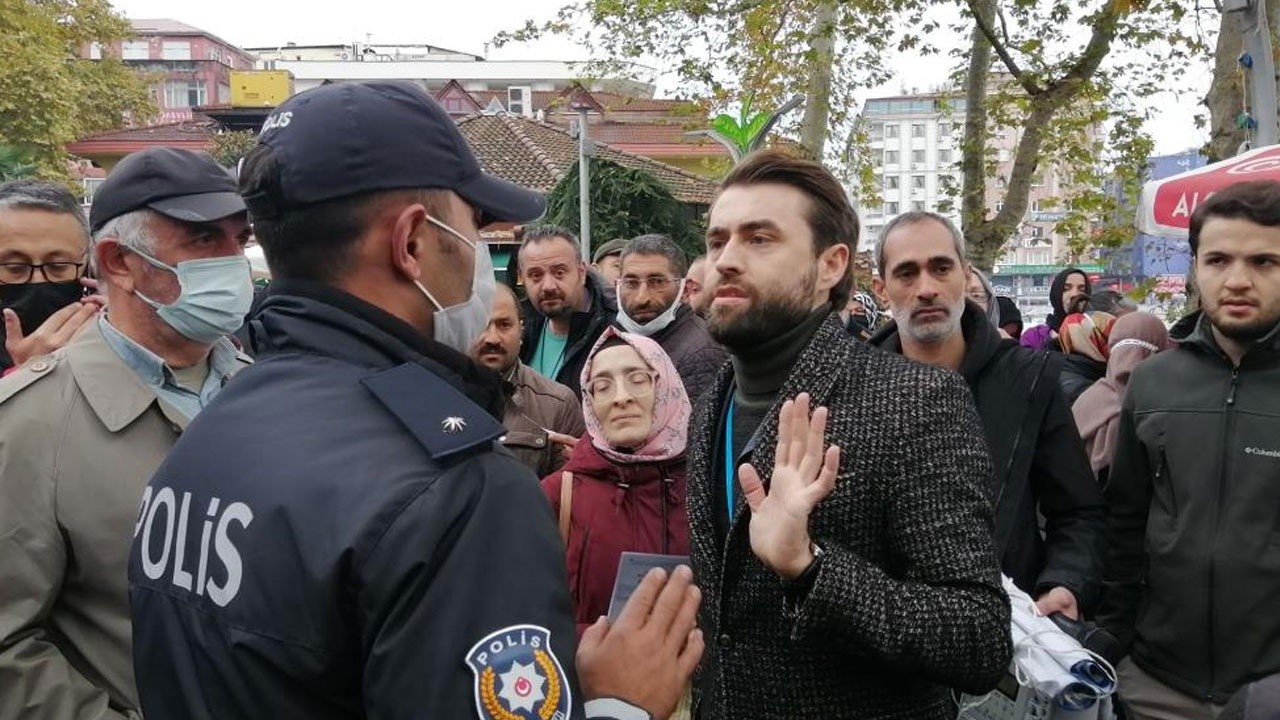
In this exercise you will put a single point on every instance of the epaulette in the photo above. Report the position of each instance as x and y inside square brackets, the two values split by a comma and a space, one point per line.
[443, 420]
[31, 372]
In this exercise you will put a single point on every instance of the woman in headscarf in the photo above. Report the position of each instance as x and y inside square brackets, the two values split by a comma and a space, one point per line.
[1084, 338]
[1068, 285]
[980, 291]
[1134, 338]
[623, 489]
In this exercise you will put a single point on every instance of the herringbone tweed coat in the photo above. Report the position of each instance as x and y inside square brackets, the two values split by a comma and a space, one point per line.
[908, 599]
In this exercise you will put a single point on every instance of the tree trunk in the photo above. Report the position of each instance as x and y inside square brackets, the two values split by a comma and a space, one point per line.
[817, 105]
[1226, 93]
[973, 190]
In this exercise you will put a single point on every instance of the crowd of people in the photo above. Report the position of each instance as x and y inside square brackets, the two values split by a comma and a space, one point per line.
[390, 486]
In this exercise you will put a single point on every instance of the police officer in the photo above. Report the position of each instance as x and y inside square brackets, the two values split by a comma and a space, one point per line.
[340, 536]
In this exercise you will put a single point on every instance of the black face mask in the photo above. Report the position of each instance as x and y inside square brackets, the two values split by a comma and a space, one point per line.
[35, 302]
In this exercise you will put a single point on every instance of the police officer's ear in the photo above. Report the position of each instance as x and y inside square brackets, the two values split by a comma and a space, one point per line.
[413, 240]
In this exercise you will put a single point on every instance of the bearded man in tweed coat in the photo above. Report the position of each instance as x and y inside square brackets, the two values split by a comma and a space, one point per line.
[857, 580]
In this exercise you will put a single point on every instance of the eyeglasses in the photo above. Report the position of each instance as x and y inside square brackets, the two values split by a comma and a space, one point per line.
[638, 384]
[23, 273]
[655, 284]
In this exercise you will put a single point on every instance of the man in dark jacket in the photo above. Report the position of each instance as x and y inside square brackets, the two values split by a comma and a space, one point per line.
[1193, 524]
[339, 537]
[566, 307]
[1040, 461]
[651, 293]
[866, 589]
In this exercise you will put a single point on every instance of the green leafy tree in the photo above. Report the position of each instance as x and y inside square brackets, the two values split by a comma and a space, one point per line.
[229, 146]
[625, 202]
[48, 95]
[15, 164]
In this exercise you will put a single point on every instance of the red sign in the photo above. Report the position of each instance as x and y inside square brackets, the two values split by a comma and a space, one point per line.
[1179, 196]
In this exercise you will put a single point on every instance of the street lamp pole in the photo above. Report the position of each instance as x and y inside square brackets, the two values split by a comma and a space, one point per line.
[584, 185]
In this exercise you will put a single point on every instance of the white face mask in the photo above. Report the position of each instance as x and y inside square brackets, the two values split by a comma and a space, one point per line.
[459, 325]
[216, 294]
[655, 325]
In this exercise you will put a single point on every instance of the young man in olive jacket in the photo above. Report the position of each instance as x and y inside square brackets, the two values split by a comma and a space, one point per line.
[1193, 525]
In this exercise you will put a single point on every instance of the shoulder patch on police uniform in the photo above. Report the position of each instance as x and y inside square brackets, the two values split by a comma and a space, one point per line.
[34, 370]
[518, 677]
[440, 417]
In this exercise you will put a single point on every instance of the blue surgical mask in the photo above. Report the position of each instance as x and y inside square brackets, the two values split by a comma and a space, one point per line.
[216, 295]
[459, 325]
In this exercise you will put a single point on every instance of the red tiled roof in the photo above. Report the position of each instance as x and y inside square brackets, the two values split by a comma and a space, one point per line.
[538, 155]
[559, 100]
[198, 130]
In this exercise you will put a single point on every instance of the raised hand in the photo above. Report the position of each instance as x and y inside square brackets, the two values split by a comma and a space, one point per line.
[803, 474]
[53, 334]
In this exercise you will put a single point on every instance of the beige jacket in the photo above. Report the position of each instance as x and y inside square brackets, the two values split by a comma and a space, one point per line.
[80, 437]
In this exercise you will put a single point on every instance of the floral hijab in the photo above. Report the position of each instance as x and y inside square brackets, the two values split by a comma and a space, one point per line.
[668, 435]
[1087, 334]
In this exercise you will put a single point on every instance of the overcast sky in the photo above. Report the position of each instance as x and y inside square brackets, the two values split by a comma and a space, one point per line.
[467, 25]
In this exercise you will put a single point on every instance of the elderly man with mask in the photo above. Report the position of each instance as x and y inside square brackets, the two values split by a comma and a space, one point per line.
[651, 302]
[83, 428]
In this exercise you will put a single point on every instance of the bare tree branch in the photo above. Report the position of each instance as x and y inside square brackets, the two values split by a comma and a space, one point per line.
[984, 25]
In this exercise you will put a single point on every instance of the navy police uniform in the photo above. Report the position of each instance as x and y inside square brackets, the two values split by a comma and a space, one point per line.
[339, 536]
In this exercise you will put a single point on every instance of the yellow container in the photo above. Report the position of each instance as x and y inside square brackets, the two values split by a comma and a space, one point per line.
[260, 88]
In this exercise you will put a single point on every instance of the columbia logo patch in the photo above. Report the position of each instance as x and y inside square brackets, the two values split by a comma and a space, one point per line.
[1262, 451]
[518, 677]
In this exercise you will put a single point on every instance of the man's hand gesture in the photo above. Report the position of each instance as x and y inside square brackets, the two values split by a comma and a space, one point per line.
[802, 476]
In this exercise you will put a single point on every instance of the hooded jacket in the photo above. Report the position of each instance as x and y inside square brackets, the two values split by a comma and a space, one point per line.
[1193, 524]
[584, 327]
[1040, 463]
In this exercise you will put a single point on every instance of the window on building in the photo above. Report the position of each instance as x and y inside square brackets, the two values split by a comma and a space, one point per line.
[1003, 155]
[215, 54]
[1035, 206]
[455, 104]
[224, 94]
[90, 186]
[95, 51]
[876, 131]
[999, 205]
[891, 182]
[175, 50]
[944, 157]
[1037, 180]
[917, 205]
[917, 182]
[1001, 181]
[917, 130]
[890, 132]
[1037, 231]
[182, 94]
[135, 50]
[944, 129]
[890, 157]
[917, 156]
[891, 208]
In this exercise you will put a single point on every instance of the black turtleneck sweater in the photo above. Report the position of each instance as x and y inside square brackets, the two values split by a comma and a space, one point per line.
[759, 372]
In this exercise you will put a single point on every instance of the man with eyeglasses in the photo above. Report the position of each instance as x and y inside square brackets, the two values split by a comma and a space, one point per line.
[83, 428]
[44, 241]
[652, 301]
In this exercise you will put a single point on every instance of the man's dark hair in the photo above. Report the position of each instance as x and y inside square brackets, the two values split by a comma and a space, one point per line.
[542, 233]
[43, 195]
[315, 242]
[832, 220]
[1257, 201]
[657, 244]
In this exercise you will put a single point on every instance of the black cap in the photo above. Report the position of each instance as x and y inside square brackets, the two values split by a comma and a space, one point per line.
[344, 139]
[183, 185]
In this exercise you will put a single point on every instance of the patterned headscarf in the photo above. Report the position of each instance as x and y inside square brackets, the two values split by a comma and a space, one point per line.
[668, 435]
[1134, 338]
[869, 307]
[1087, 334]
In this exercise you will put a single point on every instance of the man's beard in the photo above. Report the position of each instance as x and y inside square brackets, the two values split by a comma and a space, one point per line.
[765, 318]
[930, 333]
[563, 312]
[1243, 332]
